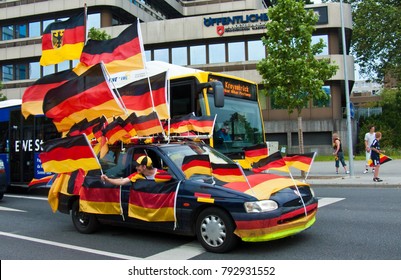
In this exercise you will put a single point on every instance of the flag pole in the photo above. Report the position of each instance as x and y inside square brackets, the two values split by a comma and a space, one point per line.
[246, 178]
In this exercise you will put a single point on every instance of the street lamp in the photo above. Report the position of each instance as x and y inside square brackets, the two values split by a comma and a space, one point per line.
[347, 97]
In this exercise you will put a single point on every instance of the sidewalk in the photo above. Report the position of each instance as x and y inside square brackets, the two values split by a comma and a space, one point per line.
[323, 173]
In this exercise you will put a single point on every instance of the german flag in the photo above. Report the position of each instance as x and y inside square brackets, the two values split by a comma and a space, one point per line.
[256, 152]
[203, 124]
[32, 99]
[66, 183]
[68, 154]
[35, 183]
[97, 197]
[152, 201]
[123, 53]
[146, 125]
[383, 159]
[87, 96]
[196, 164]
[227, 172]
[262, 186]
[63, 40]
[137, 96]
[191, 122]
[300, 161]
[274, 161]
[115, 131]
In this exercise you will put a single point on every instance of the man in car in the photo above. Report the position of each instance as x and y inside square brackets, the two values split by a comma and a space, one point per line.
[144, 170]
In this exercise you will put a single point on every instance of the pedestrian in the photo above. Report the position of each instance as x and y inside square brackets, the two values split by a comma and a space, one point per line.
[338, 153]
[369, 137]
[375, 156]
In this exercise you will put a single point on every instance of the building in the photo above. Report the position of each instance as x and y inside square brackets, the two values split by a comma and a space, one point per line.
[217, 35]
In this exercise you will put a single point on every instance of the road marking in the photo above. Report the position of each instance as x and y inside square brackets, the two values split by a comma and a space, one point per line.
[26, 197]
[324, 201]
[10, 209]
[72, 247]
[183, 252]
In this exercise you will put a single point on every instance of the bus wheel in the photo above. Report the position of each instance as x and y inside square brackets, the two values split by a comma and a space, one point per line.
[83, 222]
[215, 230]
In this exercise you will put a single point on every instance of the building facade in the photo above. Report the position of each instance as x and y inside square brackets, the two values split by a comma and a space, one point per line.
[216, 35]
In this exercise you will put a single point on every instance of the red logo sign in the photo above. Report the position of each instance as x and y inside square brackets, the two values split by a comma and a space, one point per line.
[220, 30]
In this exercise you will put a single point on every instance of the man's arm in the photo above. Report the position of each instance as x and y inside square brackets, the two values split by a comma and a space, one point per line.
[116, 181]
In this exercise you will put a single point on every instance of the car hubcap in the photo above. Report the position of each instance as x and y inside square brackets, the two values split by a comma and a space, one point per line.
[213, 231]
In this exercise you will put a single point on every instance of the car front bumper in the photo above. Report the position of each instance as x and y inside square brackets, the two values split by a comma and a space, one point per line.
[271, 228]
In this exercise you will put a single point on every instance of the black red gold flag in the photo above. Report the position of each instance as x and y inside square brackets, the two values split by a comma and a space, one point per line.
[63, 40]
[274, 161]
[87, 96]
[123, 53]
[256, 152]
[32, 99]
[227, 172]
[300, 161]
[196, 164]
[62, 155]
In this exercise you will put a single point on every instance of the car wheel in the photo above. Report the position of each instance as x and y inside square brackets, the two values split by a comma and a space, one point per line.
[83, 222]
[215, 230]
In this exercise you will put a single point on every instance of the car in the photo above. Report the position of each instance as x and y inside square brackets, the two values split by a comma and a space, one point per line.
[190, 198]
[3, 180]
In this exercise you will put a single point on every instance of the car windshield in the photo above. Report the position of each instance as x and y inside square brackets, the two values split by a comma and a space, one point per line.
[177, 153]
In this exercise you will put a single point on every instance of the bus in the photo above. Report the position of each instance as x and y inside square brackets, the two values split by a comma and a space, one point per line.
[238, 121]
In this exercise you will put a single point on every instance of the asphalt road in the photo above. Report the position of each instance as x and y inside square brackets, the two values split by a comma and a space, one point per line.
[353, 223]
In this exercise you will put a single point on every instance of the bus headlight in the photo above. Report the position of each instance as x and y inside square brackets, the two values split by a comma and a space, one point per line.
[260, 206]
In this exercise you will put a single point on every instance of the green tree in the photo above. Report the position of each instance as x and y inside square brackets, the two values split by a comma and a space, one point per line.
[376, 38]
[97, 34]
[2, 96]
[291, 73]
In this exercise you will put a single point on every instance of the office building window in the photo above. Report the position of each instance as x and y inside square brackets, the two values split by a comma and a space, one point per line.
[217, 53]
[256, 50]
[46, 23]
[162, 55]
[7, 32]
[94, 21]
[34, 29]
[47, 70]
[7, 72]
[63, 65]
[197, 54]
[324, 103]
[148, 55]
[22, 31]
[236, 52]
[21, 72]
[34, 70]
[325, 38]
[179, 56]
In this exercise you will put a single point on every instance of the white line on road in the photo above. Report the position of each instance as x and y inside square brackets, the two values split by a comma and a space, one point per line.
[10, 209]
[72, 247]
[183, 252]
[26, 197]
[324, 201]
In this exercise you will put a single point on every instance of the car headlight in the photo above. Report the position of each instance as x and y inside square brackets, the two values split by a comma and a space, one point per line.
[260, 206]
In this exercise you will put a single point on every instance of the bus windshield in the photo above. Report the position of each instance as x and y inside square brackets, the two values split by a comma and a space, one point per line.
[238, 125]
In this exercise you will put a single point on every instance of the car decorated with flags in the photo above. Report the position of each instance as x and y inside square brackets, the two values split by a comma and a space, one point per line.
[199, 192]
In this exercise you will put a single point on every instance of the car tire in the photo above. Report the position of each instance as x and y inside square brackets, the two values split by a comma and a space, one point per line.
[215, 230]
[83, 222]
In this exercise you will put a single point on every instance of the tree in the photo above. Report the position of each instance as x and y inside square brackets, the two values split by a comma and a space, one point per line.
[96, 34]
[376, 40]
[2, 96]
[291, 73]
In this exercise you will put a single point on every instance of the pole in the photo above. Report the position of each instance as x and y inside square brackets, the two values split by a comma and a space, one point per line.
[347, 98]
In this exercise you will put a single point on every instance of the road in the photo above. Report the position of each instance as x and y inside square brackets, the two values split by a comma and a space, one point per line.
[353, 223]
